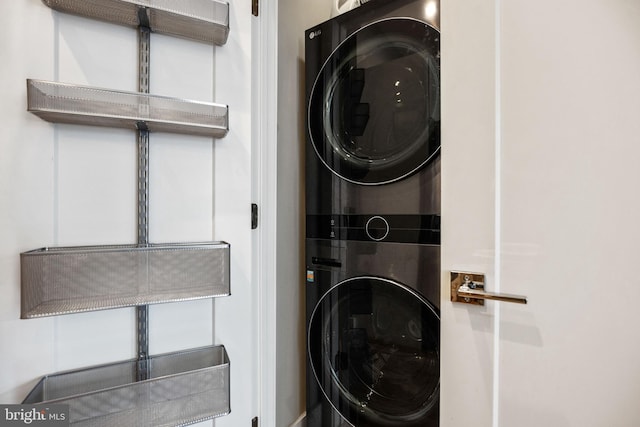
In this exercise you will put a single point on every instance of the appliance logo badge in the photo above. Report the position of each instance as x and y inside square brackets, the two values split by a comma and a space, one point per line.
[310, 276]
[314, 34]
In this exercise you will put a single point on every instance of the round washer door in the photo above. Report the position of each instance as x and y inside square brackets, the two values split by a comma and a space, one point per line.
[374, 350]
[374, 109]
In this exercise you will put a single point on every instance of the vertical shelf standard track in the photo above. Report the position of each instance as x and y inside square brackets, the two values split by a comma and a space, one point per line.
[142, 311]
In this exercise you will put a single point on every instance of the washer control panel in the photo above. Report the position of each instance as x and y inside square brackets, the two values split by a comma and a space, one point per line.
[377, 228]
[424, 229]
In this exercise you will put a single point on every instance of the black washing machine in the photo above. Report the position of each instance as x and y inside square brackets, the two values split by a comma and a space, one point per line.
[373, 334]
[373, 216]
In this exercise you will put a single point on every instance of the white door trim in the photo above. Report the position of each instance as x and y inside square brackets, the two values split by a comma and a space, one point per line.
[265, 84]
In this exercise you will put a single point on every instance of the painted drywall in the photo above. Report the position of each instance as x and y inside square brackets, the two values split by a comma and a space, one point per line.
[60, 186]
[294, 18]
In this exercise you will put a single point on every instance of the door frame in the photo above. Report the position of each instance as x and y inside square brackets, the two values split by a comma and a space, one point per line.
[265, 190]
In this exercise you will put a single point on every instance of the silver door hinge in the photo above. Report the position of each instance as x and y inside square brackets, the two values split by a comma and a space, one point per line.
[254, 216]
[254, 7]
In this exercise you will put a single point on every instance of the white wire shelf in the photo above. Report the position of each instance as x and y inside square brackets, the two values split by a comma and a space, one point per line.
[202, 20]
[67, 280]
[67, 103]
[182, 388]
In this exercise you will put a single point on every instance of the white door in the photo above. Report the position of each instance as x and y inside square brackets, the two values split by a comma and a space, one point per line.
[541, 177]
[68, 185]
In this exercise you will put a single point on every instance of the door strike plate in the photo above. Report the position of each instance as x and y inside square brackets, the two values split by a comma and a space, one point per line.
[470, 280]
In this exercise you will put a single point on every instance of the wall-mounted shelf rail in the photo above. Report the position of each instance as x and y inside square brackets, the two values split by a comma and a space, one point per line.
[86, 278]
[67, 103]
[202, 20]
[182, 388]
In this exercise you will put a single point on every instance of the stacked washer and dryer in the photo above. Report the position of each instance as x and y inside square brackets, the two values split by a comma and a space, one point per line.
[373, 216]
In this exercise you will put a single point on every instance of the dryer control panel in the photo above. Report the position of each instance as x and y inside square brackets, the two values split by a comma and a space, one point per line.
[421, 229]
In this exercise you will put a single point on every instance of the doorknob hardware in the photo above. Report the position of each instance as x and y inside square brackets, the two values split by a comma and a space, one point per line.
[468, 288]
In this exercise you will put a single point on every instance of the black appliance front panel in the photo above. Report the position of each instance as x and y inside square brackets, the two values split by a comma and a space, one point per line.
[374, 351]
[424, 229]
[373, 217]
[413, 272]
[374, 110]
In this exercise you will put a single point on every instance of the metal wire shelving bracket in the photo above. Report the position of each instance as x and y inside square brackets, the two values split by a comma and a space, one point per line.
[201, 20]
[170, 389]
[67, 103]
[182, 388]
[65, 280]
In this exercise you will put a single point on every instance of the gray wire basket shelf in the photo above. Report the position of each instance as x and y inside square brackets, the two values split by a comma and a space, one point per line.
[67, 103]
[202, 20]
[182, 388]
[67, 280]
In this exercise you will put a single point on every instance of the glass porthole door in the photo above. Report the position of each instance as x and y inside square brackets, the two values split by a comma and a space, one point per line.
[374, 350]
[374, 109]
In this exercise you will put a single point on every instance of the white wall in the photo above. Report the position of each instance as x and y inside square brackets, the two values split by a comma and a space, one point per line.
[75, 185]
[295, 16]
[27, 163]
